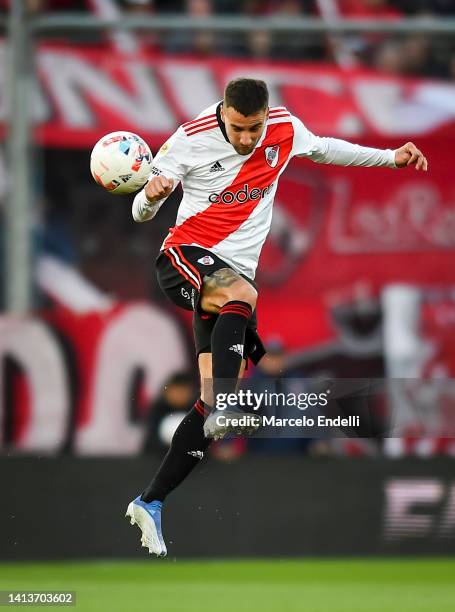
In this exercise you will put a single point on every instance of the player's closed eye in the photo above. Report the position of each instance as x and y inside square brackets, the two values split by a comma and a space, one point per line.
[255, 128]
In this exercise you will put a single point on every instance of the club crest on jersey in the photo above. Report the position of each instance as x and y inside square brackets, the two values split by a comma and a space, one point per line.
[271, 155]
[206, 260]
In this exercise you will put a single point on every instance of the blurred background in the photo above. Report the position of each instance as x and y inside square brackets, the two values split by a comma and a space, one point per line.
[357, 277]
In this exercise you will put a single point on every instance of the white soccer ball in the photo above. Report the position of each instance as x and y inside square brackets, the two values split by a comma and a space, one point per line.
[121, 162]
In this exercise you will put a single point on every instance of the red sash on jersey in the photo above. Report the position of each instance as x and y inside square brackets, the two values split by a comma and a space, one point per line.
[219, 220]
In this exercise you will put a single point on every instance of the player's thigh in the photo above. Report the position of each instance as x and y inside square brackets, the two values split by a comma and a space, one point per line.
[223, 286]
[205, 372]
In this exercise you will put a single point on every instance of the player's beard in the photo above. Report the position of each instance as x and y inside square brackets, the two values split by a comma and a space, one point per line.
[244, 150]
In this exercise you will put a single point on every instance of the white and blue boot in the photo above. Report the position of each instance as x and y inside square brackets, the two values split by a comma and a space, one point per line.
[147, 516]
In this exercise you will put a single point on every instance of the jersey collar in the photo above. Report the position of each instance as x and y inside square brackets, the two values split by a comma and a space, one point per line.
[221, 122]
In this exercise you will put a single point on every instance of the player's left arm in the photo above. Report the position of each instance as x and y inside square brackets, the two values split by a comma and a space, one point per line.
[343, 153]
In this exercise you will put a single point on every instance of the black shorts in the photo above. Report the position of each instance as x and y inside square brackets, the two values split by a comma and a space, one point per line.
[181, 271]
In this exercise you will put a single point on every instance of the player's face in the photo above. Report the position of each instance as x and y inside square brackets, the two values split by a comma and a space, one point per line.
[243, 132]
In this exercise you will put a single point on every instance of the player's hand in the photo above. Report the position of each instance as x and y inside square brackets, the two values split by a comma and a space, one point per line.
[157, 188]
[410, 155]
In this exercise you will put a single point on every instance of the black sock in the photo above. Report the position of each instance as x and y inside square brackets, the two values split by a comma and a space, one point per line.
[228, 339]
[186, 450]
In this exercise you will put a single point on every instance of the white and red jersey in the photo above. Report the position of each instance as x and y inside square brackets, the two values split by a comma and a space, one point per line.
[227, 198]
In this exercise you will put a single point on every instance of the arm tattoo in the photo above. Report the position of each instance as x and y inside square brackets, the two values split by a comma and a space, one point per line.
[221, 278]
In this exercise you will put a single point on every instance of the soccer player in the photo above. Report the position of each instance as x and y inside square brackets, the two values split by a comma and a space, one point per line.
[229, 160]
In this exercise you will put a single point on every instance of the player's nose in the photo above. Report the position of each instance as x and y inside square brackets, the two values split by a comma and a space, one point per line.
[246, 140]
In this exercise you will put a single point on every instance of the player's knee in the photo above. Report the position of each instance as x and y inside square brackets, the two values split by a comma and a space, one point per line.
[239, 292]
[242, 292]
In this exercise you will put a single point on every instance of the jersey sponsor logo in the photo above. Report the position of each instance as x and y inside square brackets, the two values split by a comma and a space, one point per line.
[206, 260]
[272, 155]
[217, 167]
[240, 196]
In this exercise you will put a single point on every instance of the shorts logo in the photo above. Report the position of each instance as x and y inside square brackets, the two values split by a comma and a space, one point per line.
[185, 293]
[272, 155]
[206, 260]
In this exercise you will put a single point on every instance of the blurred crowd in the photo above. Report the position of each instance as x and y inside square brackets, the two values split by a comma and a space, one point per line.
[351, 8]
[411, 54]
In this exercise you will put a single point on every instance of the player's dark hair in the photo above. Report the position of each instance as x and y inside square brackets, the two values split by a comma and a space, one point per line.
[247, 96]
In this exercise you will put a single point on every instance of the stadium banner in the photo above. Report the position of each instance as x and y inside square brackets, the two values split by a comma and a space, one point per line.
[326, 507]
[83, 93]
[83, 382]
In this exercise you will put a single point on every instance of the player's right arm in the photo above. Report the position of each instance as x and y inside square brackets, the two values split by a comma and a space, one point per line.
[169, 167]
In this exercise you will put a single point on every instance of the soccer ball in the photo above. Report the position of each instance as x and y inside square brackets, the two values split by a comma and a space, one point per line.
[121, 162]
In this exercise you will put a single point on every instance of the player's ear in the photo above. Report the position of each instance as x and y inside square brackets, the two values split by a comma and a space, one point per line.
[222, 113]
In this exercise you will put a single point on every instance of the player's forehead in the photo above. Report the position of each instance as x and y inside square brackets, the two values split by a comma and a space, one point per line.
[236, 118]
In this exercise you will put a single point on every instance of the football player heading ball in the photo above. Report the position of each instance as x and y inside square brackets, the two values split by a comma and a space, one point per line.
[229, 160]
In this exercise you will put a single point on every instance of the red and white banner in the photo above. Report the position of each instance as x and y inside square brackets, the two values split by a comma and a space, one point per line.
[81, 381]
[84, 93]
